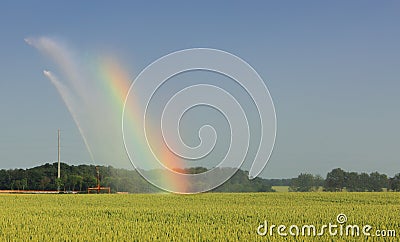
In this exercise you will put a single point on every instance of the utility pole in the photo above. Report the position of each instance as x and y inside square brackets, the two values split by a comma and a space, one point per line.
[58, 181]
[59, 169]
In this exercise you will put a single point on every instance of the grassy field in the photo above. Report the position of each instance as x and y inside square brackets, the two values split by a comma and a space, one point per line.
[201, 217]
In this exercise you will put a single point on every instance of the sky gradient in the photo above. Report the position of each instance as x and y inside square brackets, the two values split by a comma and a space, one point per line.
[332, 69]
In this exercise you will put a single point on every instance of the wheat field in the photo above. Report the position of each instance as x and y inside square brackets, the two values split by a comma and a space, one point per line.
[200, 217]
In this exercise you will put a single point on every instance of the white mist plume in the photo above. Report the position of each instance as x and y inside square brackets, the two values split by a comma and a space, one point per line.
[87, 99]
[70, 103]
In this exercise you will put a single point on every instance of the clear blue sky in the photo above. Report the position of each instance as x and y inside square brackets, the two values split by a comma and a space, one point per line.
[332, 69]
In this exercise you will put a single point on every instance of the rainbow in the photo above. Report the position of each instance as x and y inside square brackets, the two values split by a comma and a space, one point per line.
[116, 82]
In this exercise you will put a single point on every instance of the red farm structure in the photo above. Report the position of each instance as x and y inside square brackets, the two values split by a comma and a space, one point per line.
[98, 188]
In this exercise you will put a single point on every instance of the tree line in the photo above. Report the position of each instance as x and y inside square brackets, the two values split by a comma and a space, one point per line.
[80, 178]
[339, 180]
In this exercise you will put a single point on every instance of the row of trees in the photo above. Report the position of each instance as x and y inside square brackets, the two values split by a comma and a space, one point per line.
[80, 178]
[339, 180]
[73, 178]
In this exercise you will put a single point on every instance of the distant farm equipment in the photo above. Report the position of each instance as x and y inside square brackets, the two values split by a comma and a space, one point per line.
[98, 188]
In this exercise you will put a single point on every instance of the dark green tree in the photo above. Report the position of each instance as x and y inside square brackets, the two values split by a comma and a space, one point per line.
[303, 183]
[377, 182]
[352, 182]
[335, 180]
[394, 183]
[364, 182]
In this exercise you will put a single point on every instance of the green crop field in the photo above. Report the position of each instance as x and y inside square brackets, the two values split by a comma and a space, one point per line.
[201, 217]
